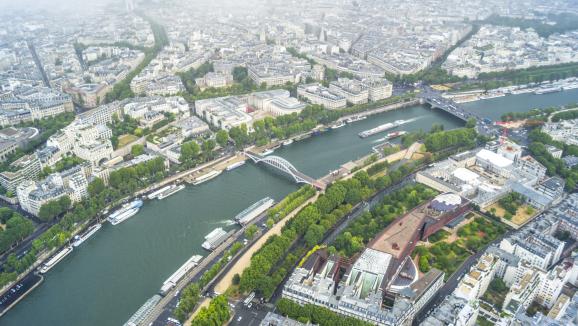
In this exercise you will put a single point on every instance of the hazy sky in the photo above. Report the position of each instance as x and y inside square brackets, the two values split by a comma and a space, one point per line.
[54, 4]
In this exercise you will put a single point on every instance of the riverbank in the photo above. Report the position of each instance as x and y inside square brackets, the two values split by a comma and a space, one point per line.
[534, 88]
[245, 260]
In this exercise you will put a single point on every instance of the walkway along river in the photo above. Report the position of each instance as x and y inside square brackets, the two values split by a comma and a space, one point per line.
[113, 273]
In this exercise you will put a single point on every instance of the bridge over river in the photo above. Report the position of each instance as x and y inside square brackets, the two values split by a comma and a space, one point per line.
[286, 167]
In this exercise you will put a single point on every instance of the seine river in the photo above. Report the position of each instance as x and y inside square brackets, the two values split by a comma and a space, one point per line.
[107, 278]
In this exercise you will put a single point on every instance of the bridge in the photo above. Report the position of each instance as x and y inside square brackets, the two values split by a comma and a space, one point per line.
[285, 166]
[435, 100]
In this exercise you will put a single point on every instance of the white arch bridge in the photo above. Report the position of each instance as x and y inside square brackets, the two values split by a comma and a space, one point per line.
[286, 167]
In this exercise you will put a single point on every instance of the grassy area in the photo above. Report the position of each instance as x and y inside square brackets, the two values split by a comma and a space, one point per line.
[448, 256]
[439, 236]
[496, 293]
[523, 213]
[126, 139]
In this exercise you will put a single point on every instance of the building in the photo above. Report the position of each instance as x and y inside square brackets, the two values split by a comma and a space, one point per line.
[223, 112]
[354, 91]
[277, 102]
[523, 292]
[33, 195]
[101, 115]
[360, 292]
[273, 319]
[192, 126]
[214, 80]
[474, 284]
[453, 311]
[25, 168]
[88, 95]
[317, 94]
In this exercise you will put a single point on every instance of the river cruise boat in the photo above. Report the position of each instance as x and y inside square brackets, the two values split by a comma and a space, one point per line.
[55, 259]
[251, 212]
[79, 239]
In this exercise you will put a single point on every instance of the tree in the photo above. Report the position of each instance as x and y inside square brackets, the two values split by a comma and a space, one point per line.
[236, 279]
[471, 123]
[190, 151]
[222, 138]
[250, 231]
[96, 187]
[270, 222]
[137, 150]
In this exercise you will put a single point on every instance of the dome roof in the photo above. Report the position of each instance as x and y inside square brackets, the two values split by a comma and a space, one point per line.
[446, 202]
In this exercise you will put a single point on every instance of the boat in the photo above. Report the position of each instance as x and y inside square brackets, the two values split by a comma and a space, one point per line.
[206, 177]
[180, 273]
[288, 142]
[268, 152]
[156, 193]
[337, 125]
[251, 212]
[547, 90]
[395, 134]
[79, 239]
[127, 211]
[171, 191]
[235, 165]
[214, 239]
[55, 259]
[356, 118]
[381, 128]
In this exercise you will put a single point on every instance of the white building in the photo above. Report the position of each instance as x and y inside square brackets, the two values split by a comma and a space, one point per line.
[223, 112]
[320, 95]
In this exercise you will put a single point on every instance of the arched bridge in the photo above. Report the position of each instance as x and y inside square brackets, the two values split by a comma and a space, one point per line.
[285, 166]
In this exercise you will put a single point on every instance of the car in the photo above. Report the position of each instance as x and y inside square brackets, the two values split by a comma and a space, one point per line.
[240, 317]
[250, 305]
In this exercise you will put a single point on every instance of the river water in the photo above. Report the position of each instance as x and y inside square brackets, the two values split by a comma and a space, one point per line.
[107, 278]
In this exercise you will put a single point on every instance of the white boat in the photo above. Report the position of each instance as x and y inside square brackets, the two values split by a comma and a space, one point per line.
[356, 118]
[79, 239]
[55, 259]
[251, 212]
[288, 142]
[268, 152]
[214, 239]
[126, 212]
[156, 193]
[338, 125]
[235, 165]
[179, 273]
[171, 191]
[206, 177]
[547, 90]
[381, 128]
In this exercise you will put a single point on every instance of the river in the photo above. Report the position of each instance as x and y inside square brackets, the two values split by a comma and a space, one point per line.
[107, 278]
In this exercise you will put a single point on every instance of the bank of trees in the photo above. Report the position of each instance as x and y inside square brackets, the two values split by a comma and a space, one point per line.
[554, 166]
[511, 202]
[277, 257]
[568, 115]
[191, 294]
[366, 227]
[216, 314]
[54, 208]
[121, 89]
[291, 202]
[16, 228]
[456, 138]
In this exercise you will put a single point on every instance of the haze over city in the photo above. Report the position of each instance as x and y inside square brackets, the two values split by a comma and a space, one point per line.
[269, 162]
